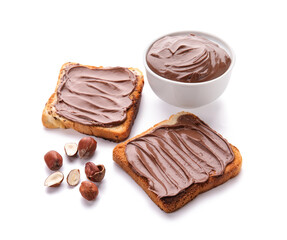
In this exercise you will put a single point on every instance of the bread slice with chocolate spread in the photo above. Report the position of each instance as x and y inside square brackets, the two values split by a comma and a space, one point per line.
[177, 159]
[97, 101]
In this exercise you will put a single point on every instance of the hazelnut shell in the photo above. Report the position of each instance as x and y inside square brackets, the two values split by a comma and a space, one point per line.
[95, 173]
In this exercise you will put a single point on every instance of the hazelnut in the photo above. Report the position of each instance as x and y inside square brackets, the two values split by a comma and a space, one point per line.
[71, 149]
[73, 177]
[54, 180]
[87, 147]
[91, 169]
[95, 172]
[53, 160]
[89, 190]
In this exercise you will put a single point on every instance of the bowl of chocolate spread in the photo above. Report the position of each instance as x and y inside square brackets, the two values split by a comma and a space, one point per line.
[188, 69]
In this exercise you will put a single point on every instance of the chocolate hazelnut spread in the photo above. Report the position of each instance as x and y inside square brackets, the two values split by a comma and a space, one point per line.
[187, 58]
[95, 96]
[173, 157]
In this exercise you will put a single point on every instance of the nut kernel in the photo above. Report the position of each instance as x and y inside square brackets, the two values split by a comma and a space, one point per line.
[71, 149]
[54, 180]
[73, 177]
[53, 160]
[87, 147]
[89, 190]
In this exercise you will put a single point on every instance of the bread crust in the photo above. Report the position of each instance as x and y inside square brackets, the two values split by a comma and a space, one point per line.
[51, 119]
[171, 204]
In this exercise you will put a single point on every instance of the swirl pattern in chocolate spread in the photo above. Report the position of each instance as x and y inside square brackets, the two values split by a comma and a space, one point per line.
[173, 157]
[187, 58]
[98, 96]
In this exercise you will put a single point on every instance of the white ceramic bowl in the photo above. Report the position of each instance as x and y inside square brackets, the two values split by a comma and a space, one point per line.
[190, 95]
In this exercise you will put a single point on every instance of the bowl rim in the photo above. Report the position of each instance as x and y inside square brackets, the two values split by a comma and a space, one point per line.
[219, 41]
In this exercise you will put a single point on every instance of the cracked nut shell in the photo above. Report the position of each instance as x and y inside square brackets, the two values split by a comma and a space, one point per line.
[94, 172]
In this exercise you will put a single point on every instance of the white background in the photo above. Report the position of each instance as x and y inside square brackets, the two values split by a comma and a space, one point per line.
[37, 38]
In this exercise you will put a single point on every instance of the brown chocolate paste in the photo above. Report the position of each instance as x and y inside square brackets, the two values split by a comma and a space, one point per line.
[187, 58]
[173, 157]
[95, 96]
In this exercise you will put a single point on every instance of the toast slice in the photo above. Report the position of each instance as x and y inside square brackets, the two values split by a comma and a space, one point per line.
[117, 133]
[141, 177]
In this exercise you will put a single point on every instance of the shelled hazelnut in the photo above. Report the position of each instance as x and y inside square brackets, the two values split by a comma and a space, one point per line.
[71, 149]
[54, 180]
[53, 160]
[89, 190]
[73, 177]
[86, 147]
